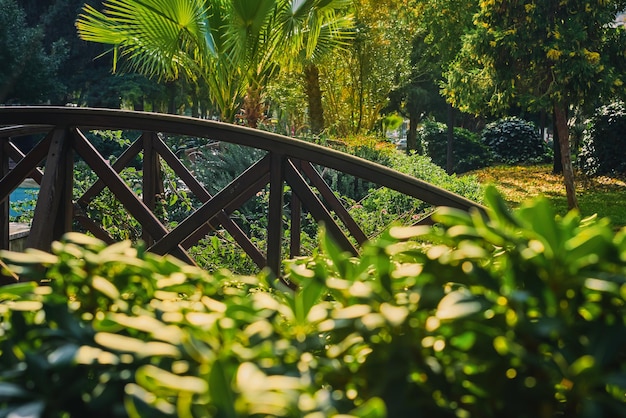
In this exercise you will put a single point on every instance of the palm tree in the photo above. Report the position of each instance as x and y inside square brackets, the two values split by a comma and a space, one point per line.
[232, 46]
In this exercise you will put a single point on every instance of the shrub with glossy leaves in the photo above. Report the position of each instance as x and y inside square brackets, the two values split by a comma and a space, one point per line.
[515, 141]
[468, 152]
[486, 315]
[603, 150]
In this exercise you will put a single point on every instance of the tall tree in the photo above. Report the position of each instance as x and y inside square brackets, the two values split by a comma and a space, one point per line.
[419, 97]
[538, 55]
[29, 68]
[443, 24]
[232, 46]
[357, 82]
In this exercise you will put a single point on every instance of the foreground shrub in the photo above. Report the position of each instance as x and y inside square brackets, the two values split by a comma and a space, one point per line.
[603, 150]
[515, 141]
[468, 152]
[515, 314]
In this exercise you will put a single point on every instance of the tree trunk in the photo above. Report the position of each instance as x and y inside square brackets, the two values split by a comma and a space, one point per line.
[411, 136]
[171, 98]
[314, 97]
[449, 149]
[557, 164]
[560, 116]
[253, 108]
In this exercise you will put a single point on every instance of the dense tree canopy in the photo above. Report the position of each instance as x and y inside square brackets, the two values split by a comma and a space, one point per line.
[28, 70]
[540, 55]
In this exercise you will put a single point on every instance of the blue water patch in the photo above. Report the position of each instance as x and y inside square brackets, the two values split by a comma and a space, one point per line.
[23, 194]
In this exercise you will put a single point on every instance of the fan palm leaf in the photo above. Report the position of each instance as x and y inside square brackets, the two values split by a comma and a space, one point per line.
[230, 45]
[158, 37]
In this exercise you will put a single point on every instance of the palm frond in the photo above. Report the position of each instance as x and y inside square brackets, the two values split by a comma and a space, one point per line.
[157, 37]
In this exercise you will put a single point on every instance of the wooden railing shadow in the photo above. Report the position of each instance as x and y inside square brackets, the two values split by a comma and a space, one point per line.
[287, 161]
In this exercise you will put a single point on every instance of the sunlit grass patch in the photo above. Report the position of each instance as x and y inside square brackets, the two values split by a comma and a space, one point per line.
[605, 196]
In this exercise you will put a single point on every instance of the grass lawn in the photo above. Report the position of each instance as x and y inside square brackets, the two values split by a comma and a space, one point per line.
[605, 196]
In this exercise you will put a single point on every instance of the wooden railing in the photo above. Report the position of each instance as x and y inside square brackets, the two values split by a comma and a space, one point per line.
[288, 161]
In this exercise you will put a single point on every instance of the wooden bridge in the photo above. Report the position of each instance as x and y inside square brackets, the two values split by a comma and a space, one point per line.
[287, 161]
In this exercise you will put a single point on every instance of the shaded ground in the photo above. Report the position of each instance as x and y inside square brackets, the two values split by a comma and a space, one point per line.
[604, 195]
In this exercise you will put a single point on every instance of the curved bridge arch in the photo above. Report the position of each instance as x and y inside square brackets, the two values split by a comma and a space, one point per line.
[288, 161]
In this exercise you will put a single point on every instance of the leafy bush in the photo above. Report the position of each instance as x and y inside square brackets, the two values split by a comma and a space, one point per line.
[382, 206]
[351, 187]
[515, 141]
[468, 152]
[603, 150]
[515, 314]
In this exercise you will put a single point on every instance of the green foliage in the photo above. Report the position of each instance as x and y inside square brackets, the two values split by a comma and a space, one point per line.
[519, 314]
[391, 123]
[119, 332]
[172, 206]
[216, 166]
[510, 314]
[27, 74]
[228, 48]
[515, 141]
[468, 152]
[383, 207]
[24, 209]
[537, 55]
[603, 149]
[351, 187]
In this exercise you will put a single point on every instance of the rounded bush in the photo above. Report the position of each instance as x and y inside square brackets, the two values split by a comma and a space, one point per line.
[468, 152]
[515, 141]
[603, 149]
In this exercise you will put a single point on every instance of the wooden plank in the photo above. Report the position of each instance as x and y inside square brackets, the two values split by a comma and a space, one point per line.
[50, 195]
[17, 155]
[25, 167]
[334, 202]
[275, 214]
[315, 206]
[149, 178]
[204, 196]
[122, 162]
[16, 131]
[211, 208]
[114, 182]
[295, 221]
[295, 226]
[5, 204]
[65, 211]
[256, 186]
[91, 226]
[316, 154]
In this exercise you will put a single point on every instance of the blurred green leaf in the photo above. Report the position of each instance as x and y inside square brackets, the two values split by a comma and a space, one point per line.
[16, 290]
[11, 390]
[457, 304]
[136, 346]
[155, 379]
[372, 408]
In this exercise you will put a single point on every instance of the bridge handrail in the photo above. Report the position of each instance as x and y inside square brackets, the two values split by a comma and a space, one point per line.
[92, 118]
[288, 160]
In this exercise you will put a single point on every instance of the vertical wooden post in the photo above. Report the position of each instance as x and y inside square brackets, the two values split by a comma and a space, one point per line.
[152, 183]
[275, 215]
[295, 222]
[55, 195]
[65, 211]
[5, 204]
